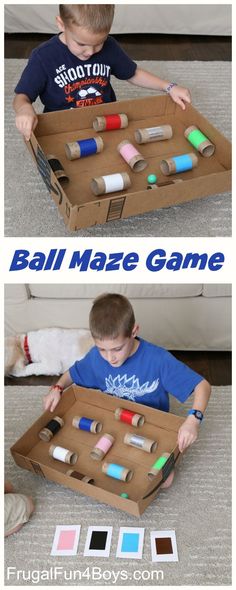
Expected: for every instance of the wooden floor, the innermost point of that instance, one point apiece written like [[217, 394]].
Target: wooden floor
[[214, 366], [149, 47]]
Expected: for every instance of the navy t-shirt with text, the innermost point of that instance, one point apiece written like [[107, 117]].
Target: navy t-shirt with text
[[63, 81]]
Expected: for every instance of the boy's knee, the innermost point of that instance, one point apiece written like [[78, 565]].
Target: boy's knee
[[30, 505], [12, 531], [18, 509], [166, 484]]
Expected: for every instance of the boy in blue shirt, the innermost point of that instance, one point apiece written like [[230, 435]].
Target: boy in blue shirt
[[126, 366], [73, 69]]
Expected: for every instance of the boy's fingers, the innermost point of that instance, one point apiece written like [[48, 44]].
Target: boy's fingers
[[180, 102]]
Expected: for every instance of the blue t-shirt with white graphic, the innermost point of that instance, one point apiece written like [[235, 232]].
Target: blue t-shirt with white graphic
[[63, 81], [146, 377]]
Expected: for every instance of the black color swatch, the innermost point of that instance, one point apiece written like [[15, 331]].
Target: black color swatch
[[98, 540]]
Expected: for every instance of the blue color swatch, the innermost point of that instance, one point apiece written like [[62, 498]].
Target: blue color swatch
[[130, 543]]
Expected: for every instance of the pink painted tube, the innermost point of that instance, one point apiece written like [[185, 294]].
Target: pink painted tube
[[128, 151], [131, 155], [102, 447]]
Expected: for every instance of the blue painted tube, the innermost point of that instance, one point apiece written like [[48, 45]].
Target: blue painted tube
[[85, 424], [84, 147], [183, 163], [178, 164], [114, 470], [87, 147], [117, 471]]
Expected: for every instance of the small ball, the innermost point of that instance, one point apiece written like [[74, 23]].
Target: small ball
[[152, 178], [124, 495]]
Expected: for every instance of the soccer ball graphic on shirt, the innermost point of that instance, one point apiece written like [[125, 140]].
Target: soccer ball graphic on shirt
[[91, 91]]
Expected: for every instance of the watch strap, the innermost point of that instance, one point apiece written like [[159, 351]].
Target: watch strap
[[197, 413]]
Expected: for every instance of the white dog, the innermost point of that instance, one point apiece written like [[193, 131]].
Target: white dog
[[49, 351]]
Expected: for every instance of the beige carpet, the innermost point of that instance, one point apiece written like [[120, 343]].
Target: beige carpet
[[197, 507], [29, 209]]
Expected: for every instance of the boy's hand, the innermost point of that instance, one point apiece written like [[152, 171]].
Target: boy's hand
[[26, 120], [180, 95], [51, 400], [188, 433]]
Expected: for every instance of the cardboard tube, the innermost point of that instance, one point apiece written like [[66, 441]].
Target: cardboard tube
[[133, 158], [84, 147], [199, 141], [140, 442], [117, 471], [57, 168], [86, 424], [102, 447], [64, 455], [110, 183], [150, 134], [166, 183], [177, 164], [158, 465], [110, 122], [129, 417], [150, 186], [51, 428], [80, 476]]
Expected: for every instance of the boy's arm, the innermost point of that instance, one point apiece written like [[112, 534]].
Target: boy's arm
[[26, 118], [51, 400], [179, 94], [188, 432]]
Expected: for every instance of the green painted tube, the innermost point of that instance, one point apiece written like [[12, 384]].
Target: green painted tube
[[159, 463], [196, 137], [199, 141]]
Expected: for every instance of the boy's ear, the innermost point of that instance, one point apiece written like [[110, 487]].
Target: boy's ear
[[60, 24], [135, 330]]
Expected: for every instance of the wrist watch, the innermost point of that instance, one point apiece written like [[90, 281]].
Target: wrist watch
[[197, 413]]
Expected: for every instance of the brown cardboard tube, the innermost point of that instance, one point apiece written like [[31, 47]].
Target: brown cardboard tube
[[150, 134], [99, 124], [140, 442], [133, 158], [94, 428], [57, 168], [102, 447], [47, 433], [126, 474], [153, 471], [137, 419], [73, 150], [62, 454], [80, 476], [168, 166], [110, 183], [206, 147]]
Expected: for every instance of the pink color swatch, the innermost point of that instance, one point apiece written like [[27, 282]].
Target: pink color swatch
[[66, 540]]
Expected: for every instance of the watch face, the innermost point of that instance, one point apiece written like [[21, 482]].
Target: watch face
[[198, 414]]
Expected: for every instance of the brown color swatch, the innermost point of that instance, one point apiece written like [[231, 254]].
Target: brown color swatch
[[164, 546]]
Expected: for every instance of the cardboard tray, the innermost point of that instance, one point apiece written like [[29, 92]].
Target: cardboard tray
[[75, 200], [31, 453]]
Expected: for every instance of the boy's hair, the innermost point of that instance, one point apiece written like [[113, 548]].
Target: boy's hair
[[111, 316], [97, 18]]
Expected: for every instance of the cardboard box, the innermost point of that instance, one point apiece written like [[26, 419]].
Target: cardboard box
[[75, 200], [29, 452]]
